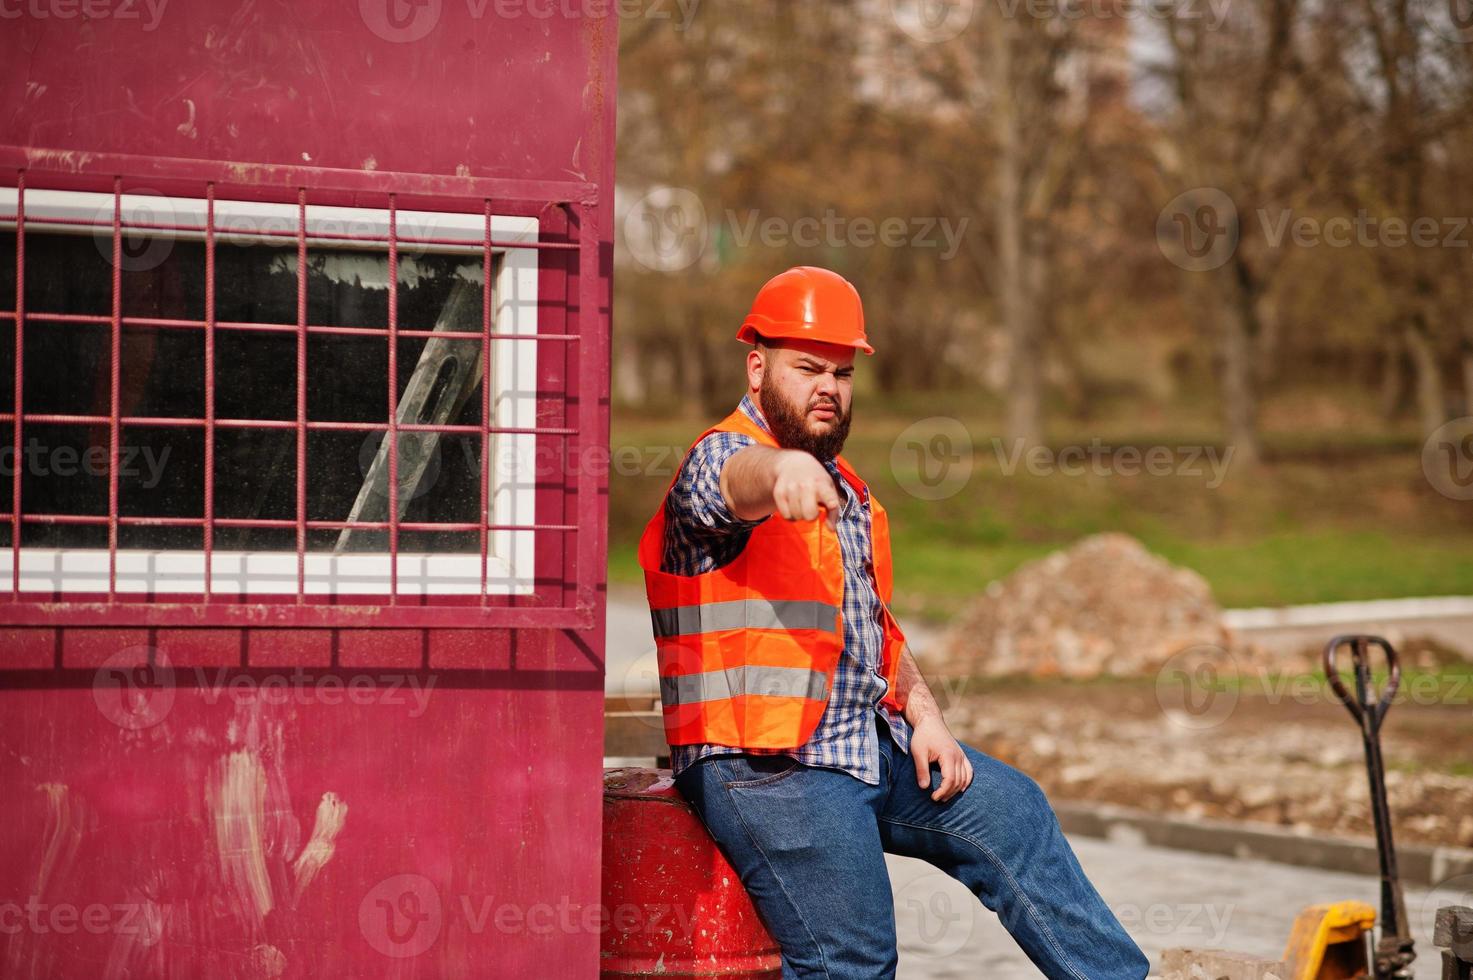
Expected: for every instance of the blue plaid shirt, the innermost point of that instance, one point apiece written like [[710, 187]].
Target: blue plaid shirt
[[702, 534]]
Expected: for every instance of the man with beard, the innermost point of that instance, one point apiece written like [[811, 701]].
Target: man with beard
[[791, 702]]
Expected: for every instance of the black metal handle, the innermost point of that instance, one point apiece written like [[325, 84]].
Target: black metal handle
[[1361, 702], [1395, 950]]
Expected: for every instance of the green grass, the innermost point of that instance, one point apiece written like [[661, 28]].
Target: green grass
[[1330, 516]]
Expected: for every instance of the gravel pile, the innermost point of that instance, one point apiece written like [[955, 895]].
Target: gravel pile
[[1105, 606]]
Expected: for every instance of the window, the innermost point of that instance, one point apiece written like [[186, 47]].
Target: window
[[234, 358]]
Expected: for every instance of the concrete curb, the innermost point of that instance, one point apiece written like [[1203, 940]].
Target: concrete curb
[[1419, 864], [1345, 613]]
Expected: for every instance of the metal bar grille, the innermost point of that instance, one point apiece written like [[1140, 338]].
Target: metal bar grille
[[393, 435], [266, 522], [291, 328], [485, 501], [552, 604], [209, 531], [301, 426], [589, 385], [166, 421], [317, 238], [18, 419], [115, 410]]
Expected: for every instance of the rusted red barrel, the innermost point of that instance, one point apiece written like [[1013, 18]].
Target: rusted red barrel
[[674, 906]]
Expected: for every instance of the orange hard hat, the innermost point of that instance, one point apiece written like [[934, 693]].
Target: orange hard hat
[[807, 302]]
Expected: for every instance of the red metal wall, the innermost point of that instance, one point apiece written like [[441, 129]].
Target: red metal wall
[[400, 801]]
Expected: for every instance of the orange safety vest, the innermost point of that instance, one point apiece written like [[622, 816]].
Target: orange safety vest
[[747, 651]]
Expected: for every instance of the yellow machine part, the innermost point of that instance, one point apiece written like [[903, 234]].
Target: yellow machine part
[[1328, 942]]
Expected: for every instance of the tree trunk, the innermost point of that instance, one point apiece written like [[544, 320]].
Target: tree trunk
[[1239, 394], [630, 384], [1429, 378], [1467, 358], [692, 374], [1238, 364], [1015, 294], [1393, 378]]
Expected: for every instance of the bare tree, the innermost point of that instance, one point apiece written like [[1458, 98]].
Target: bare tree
[[1233, 86], [1017, 153], [1414, 90]]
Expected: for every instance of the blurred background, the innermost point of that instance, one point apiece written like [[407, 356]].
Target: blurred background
[[1173, 306], [1178, 225]]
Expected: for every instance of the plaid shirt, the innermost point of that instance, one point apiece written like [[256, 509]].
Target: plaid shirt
[[702, 534]]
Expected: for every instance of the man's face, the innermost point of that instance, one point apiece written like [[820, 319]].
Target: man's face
[[806, 392]]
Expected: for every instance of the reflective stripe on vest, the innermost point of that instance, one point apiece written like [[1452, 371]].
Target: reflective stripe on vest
[[717, 685], [782, 614]]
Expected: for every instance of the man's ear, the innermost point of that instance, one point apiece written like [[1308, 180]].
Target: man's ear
[[756, 365]]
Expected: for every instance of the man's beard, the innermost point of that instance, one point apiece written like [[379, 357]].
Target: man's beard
[[789, 424]]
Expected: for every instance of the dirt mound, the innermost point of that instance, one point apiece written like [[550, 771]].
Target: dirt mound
[[1106, 605]]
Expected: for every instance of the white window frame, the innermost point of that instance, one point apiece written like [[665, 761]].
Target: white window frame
[[511, 497]]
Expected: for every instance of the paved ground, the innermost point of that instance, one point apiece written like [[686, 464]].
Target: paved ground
[[1165, 898]]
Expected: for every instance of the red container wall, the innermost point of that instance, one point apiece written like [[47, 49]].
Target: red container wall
[[403, 801]]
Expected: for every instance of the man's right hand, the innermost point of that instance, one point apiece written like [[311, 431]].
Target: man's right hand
[[801, 486], [761, 480]]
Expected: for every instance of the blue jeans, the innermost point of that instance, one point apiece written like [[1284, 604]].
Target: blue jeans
[[809, 843]]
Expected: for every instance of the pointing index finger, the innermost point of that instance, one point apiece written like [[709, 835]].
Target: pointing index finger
[[829, 498]]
